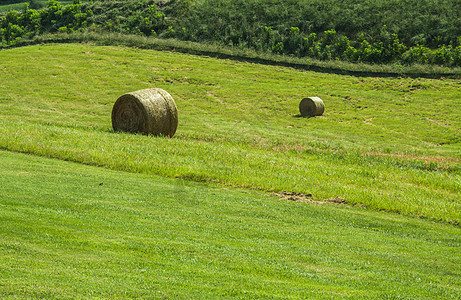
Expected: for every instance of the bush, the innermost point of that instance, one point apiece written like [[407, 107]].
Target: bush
[[418, 54], [292, 27]]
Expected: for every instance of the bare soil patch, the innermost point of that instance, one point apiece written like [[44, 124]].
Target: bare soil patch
[[307, 198]]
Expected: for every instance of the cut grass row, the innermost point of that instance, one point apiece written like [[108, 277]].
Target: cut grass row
[[380, 144], [74, 231]]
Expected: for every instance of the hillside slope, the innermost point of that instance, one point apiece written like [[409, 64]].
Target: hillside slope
[[378, 144], [75, 231], [375, 31]]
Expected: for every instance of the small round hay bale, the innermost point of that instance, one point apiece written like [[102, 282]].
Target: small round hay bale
[[149, 111], [311, 106]]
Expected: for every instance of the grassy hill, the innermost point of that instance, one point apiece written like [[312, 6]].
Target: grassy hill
[[379, 143], [399, 33], [73, 231], [202, 214]]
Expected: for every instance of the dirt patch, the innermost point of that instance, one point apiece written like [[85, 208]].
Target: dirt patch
[[293, 196], [336, 200], [307, 198]]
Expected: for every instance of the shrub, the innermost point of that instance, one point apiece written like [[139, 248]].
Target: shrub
[[417, 54]]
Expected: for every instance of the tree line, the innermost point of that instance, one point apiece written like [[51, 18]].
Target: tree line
[[371, 31]]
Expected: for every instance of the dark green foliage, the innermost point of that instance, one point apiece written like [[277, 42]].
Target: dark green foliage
[[35, 4], [138, 17], [53, 18], [179, 8], [372, 31], [146, 22]]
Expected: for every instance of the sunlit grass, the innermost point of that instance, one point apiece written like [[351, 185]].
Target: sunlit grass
[[379, 143], [75, 231]]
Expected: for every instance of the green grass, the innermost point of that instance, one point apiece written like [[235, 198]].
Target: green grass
[[386, 143], [192, 216], [73, 231]]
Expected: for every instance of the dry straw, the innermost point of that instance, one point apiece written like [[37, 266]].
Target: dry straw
[[149, 111], [311, 107]]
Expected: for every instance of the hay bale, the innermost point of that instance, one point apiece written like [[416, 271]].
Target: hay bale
[[149, 111], [311, 106]]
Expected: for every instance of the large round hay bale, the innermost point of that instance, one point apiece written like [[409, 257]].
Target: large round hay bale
[[311, 106], [149, 111]]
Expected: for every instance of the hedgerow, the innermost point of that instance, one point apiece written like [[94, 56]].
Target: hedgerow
[[325, 30]]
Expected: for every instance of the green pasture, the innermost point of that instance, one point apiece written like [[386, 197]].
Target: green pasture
[[72, 231], [89, 213], [390, 144]]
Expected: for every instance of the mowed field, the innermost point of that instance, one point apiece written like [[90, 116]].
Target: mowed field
[[386, 143], [198, 215]]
